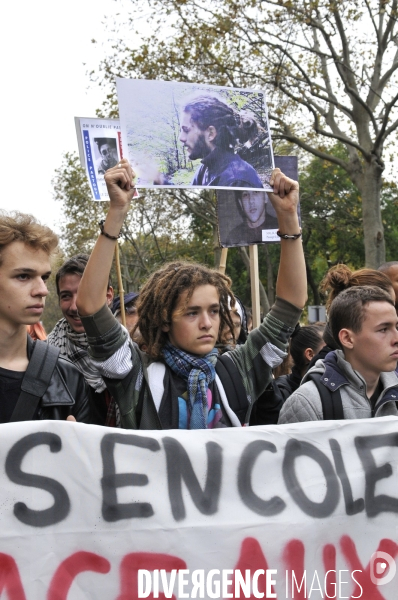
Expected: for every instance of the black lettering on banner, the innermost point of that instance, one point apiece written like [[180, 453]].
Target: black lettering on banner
[[111, 509], [319, 510], [262, 507], [179, 468], [352, 507], [375, 505], [61, 507]]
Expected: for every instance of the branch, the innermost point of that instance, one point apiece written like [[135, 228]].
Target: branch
[[132, 241]]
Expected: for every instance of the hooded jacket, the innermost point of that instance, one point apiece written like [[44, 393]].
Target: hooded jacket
[[305, 403]]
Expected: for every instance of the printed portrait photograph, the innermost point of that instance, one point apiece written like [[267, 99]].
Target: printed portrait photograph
[[191, 135], [100, 149], [105, 148], [247, 217]]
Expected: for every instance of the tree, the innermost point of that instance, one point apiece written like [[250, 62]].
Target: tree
[[158, 229], [331, 67]]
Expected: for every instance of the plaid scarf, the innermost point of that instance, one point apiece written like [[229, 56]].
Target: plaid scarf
[[199, 372], [74, 346]]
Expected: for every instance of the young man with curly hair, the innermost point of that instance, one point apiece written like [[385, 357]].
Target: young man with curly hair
[[181, 310]]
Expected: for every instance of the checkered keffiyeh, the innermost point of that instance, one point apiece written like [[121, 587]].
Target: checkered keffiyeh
[[74, 346], [199, 372]]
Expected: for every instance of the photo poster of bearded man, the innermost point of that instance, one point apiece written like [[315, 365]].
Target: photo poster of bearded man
[[188, 135], [100, 148], [247, 217]]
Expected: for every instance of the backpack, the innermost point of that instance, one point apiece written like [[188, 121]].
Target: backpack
[[332, 405], [36, 380]]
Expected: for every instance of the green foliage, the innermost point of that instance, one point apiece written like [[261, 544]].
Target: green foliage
[[332, 219]]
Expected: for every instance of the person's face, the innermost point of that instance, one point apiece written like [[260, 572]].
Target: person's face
[[23, 289], [226, 335], [194, 328], [67, 300], [374, 349], [253, 205], [109, 155], [131, 315], [193, 138]]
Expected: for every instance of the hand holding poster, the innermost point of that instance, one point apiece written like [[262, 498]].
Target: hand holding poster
[[192, 135], [293, 511], [247, 217]]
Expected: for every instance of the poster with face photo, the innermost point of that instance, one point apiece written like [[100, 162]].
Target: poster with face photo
[[193, 135], [247, 217], [100, 148]]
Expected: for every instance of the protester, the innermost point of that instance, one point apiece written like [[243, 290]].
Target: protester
[[357, 381], [130, 311], [228, 338], [36, 383], [181, 310], [69, 336], [339, 278], [390, 269], [305, 343]]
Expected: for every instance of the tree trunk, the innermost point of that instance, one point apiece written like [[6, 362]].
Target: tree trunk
[[370, 188]]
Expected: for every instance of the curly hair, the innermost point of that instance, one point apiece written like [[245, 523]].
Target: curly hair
[[340, 277], [159, 296], [19, 227]]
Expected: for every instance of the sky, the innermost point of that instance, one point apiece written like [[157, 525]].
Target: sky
[[44, 45]]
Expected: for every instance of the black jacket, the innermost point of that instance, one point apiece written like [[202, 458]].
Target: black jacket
[[66, 395]]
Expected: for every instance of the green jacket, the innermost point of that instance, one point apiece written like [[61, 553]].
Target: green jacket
[[124, 366]]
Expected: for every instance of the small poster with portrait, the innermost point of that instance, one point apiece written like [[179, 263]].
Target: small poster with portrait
[[247, 217], [190, 135], [100, 148]]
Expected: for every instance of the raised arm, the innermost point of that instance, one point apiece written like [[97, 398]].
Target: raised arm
[[92, 289], [291, 284]]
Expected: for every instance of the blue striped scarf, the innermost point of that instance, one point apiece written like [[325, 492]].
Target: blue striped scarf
[[199, 372]]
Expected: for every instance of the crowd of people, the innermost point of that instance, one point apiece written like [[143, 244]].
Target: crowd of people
[[188, 357]]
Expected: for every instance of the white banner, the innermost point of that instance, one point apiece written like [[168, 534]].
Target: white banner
[[97, 513]]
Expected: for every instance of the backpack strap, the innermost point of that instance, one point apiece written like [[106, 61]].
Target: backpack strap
[[36, 380], [233, 386], [332, 406]]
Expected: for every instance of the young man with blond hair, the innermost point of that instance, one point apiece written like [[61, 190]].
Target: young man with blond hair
[[34, 382]]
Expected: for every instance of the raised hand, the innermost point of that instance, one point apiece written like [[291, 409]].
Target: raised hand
[[120, 183], [285, 197]]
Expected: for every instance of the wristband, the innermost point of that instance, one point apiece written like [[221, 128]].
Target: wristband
[[285, 236], [103, 232]]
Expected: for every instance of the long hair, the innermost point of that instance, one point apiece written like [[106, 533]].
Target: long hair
[[159, 296], [231, 126]]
